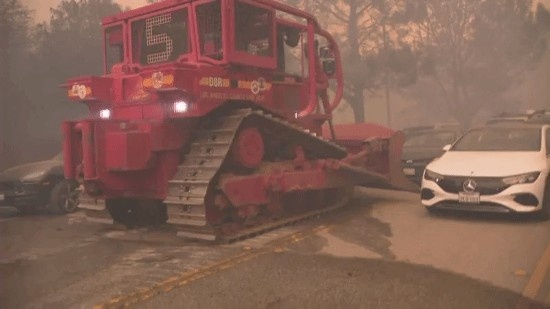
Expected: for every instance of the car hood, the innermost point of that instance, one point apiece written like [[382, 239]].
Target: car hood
[[22, 171], [487, 164], [421, 153]]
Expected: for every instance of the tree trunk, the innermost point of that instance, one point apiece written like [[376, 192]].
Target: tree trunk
[[5, 157], [358, 103]]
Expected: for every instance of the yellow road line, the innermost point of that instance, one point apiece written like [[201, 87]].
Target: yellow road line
[[532, 288], [181, 280]]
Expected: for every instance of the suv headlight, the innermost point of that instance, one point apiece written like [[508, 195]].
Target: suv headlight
[[429, 175], [522, 178]]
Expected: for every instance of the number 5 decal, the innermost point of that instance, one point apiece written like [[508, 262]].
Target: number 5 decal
[[161, 38]]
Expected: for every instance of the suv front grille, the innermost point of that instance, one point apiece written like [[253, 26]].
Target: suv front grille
[[485, 185]]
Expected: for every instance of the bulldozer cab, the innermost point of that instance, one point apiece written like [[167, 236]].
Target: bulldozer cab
[[261, 34], [263, 40]]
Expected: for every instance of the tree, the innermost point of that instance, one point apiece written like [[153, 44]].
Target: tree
[[72, 40], [473, 51], [69, 45], [370, 34], [14, 31]]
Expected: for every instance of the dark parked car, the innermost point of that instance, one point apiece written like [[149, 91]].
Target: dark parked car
[[39, 185], [531, 116], [422, 146]]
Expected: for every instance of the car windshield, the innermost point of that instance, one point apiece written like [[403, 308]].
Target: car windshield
[[435, 139], [500, 139]]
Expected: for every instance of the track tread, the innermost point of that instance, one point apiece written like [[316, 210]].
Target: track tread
[[189, 187], [182, 209]]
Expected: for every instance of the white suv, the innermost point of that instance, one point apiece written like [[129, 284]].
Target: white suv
[[495, 168]]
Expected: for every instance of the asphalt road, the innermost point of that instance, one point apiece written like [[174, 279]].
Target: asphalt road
[[382, 251]]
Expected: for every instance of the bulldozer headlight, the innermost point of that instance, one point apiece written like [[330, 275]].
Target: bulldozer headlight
[[105, 113], [181, 107]]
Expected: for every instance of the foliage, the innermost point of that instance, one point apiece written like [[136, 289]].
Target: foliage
[[14, 31], [73, 37], [473, 51], [70, 44], [371, 35]]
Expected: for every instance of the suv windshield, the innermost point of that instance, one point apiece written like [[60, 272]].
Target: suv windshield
[[160, 38], [500, 139], [433, 139]]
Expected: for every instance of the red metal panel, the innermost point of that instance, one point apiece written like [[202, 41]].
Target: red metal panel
[[99, 88], [250, 190], [253, 190], [127, 151], [68, 146], [88, 149], [128, 112], [171, 136]]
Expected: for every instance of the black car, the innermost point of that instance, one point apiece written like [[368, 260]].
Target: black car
[[422, 146], [39, 185], [532, 116]]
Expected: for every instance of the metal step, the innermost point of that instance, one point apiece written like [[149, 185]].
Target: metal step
[[172, 201], [189, 186], [186, 182], [187, 190], [202, 162]]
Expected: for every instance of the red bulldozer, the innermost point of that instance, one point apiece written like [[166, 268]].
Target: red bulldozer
[[213, 118]]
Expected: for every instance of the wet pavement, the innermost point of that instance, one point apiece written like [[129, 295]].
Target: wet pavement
[[382, 251]]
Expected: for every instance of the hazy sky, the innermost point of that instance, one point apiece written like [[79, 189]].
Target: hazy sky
[[42, 7], [42, 12]]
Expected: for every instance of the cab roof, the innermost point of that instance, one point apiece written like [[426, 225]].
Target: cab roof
[[150, 8]]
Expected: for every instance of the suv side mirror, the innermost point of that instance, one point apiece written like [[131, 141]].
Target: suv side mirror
[[446, 147]]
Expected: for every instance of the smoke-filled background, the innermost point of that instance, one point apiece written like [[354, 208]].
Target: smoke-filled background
[[407, 62]]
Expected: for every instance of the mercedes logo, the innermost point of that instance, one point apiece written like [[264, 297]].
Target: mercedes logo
[[469, 185]]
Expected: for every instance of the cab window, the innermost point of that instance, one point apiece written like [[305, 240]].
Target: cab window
[[114, 47], [160, 38], [253, 26], [290, 47], [209, 24]]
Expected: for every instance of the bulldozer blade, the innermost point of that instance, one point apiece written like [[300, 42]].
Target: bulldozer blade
[[397, 179]]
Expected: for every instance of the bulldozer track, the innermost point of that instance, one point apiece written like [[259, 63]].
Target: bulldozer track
[[196, 177], [281, 223], [188, 190]]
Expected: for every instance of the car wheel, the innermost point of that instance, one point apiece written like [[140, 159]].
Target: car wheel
[[64, 198]]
